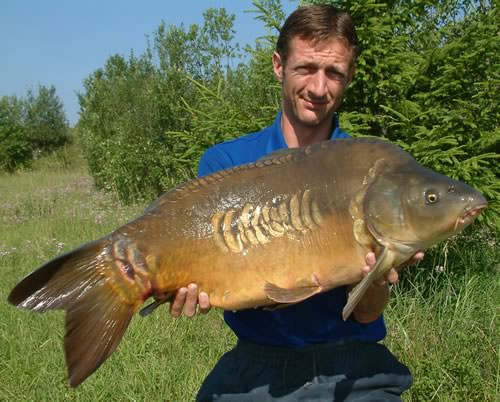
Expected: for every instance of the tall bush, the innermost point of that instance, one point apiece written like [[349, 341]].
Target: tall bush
[[15, 149], [245, 99], [30, 126], [120, 126], [45, 120], [132, 110]]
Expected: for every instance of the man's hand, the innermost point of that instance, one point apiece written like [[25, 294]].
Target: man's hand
[[392, 276], [187, 301]]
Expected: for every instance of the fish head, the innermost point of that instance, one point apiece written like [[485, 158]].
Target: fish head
[[417, 207]]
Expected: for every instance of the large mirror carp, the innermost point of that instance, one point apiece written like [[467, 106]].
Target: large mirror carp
[[296, 223]]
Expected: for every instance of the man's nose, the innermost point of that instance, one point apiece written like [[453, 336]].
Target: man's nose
[[318, 85]]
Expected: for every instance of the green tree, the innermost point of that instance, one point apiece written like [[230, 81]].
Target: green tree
[[244, 99], [15, 149], [426, 79], [132, 110], [120, 127], [45, 120]]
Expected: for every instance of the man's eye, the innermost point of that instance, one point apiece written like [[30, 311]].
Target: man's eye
[[336, 75], [304, 70]]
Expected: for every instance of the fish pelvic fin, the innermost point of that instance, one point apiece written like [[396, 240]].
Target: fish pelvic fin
[[83, 282], [383, 264], [282, 295]]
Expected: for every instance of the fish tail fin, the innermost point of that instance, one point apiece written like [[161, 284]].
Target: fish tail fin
[[93, 331], [384, 261], [97, 314]]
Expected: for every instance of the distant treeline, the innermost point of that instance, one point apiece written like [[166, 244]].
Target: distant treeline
[[30, 127]]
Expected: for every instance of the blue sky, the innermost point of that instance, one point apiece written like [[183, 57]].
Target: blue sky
[[60, 42]]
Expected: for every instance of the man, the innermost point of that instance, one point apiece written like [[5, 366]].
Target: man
[[305, 351]]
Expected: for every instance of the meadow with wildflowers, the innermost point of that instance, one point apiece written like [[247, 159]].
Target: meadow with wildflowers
[[442, 321]]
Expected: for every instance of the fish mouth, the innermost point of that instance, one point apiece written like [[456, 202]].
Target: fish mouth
[[469, 215]]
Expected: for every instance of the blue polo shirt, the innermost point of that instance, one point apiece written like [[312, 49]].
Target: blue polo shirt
[[315, 320]]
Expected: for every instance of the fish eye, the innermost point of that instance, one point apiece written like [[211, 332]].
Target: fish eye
[[431, 197]]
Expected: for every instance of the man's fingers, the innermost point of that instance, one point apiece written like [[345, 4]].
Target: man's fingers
[[178, 302], [203, 302], [370, 261], [419, 256], [191, 300], [392, 277], [187, 300]]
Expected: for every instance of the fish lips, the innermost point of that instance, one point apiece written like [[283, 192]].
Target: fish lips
[[470, 213]]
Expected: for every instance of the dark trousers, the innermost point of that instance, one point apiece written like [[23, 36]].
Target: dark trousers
[[329, 372]]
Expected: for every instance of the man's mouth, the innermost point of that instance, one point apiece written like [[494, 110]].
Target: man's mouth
[[314, 104]]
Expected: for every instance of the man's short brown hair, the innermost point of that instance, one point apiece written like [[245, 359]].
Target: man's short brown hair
[[317, 23]]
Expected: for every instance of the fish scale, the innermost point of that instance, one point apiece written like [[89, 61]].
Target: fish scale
[[255, 225]]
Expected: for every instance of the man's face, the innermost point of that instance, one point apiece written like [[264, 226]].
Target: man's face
[[314, 79]]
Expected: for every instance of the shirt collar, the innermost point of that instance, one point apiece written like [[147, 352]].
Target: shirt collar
[[277, 139]]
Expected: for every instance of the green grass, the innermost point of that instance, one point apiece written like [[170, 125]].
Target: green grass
[[448, 336], [443, 325]]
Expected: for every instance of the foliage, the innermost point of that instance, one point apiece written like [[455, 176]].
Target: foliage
[[426, 79], [66, 158], [244, 100], [30, 127], [120, 126], [15, 149], [45, 120], [132, 111]]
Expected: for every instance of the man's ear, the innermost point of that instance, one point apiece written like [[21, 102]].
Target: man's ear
[[277, 66]]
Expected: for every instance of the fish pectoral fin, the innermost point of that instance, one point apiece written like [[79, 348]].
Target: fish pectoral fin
[[383, 264], [295, 295]]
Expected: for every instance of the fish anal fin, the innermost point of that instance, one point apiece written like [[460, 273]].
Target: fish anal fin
[[295, 295], [383, 264], [159, 300]]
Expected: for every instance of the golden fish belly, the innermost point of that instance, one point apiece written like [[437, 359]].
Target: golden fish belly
[[327, 257]]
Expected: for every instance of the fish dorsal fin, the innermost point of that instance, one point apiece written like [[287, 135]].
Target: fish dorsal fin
[[184, 189], [280, 156]]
